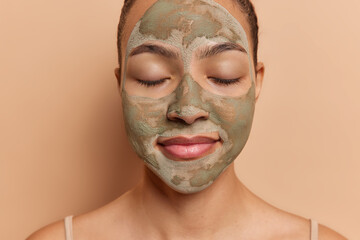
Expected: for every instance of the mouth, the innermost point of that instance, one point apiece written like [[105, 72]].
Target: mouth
[[188, 147]]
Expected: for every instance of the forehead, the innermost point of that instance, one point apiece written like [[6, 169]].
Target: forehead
[[195, 17]]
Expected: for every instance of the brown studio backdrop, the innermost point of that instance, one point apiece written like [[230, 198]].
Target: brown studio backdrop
[[63, 148]]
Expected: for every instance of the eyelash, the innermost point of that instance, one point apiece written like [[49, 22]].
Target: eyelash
[[225, 82], [151, 83], [220, 81]]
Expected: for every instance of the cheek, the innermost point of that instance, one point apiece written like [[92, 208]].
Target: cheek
[[144, 117], [224, 110], [235, 116], [230, 112]]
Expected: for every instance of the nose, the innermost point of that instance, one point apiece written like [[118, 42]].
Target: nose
[[188, 105], [188, 118]]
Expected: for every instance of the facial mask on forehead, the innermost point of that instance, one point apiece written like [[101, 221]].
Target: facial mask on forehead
[[188, 25]]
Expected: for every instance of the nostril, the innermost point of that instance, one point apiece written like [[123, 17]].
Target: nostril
[[188, 119], [173, 116], [204, 117]]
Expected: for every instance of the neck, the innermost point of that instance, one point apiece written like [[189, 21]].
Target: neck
[[200, 215]]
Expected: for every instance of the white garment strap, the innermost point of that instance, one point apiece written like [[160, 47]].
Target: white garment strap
[[314, 230], [68, 228]]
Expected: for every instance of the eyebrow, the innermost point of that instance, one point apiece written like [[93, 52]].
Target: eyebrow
[[210, 51], [155, 49]]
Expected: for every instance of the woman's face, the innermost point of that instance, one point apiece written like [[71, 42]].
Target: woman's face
[[188, 89]]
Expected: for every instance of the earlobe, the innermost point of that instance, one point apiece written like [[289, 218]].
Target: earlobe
[[117, 74], [260, 69]]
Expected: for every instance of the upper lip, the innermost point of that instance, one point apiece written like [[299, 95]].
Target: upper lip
[[188, 139]]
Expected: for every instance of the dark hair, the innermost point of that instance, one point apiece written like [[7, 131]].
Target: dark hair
[[245, 5]]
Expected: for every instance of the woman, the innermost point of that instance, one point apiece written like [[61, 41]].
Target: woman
[[189, 80]]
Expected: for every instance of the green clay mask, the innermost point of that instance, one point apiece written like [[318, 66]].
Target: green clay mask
[[186, 26]]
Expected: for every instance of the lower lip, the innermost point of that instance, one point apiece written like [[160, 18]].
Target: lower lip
[[188, 152]]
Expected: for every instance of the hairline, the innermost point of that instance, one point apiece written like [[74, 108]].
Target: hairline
[[123, 22]]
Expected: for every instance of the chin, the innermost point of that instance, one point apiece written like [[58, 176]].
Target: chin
[[188, 177]]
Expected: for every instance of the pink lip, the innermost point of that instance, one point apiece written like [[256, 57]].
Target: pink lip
[[188, 148]]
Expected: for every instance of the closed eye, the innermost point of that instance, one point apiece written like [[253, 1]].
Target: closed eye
[[148, 83], [225, 82]]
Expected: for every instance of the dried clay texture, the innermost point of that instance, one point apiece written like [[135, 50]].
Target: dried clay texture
[[187, 25]]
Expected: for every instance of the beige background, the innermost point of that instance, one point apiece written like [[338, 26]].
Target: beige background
[[62, 144]]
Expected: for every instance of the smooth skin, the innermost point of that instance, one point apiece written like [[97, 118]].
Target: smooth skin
[[152, 210]]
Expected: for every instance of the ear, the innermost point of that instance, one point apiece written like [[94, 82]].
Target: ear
[[260, 69], [117, 74]]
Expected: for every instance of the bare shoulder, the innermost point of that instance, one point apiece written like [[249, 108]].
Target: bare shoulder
[[100, 223], [112, 221], [285, 225], [326, 233], [54, 231]]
